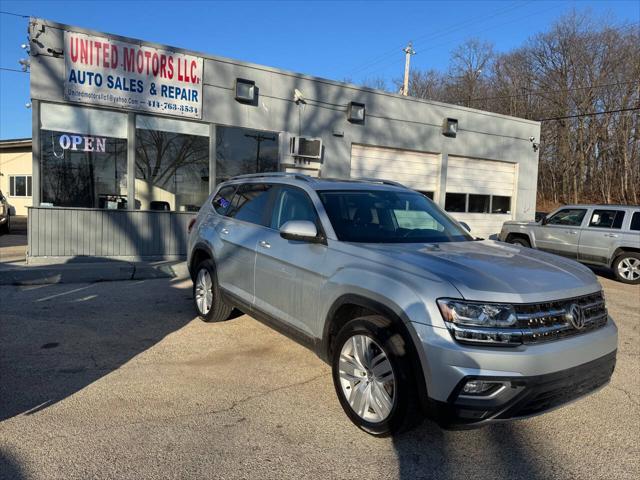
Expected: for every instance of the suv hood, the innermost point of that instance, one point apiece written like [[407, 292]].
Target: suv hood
[[493, 271]]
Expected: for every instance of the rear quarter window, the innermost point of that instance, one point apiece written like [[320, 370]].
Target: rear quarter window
[[222, 200]]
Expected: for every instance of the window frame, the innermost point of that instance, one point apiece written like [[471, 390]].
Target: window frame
[[612, 227], [12, 185], [269, 204], [633, 215], [585, 210], [275, 195]]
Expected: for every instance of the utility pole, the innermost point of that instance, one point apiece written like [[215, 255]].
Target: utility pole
[[408, 51], [259, 139]]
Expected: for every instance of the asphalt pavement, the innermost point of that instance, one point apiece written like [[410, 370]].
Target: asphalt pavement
[[120, 380]]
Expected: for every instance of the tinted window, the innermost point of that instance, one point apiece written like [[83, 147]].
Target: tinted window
[[607, 219], [240, 151], [292, 204], [222, 200], [571, 217], [455, 202], [250, 203], [388, 217], [635, 221], [478, 203], [500, 204], [92, 174]]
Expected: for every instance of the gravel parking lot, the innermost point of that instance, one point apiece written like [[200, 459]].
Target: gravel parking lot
[[119, 380]]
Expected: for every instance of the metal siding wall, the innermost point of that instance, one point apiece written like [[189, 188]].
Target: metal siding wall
[[72, 232]]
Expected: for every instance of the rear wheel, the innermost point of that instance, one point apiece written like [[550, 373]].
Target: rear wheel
[[206, 294], [627, 267], [523, 242], [372, 375]]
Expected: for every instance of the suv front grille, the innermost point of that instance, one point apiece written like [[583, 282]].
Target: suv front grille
[[541, 322]]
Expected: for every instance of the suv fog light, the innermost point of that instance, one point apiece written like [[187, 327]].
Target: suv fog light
[[479, 387]]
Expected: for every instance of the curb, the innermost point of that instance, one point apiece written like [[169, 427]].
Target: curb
[[90, 272]]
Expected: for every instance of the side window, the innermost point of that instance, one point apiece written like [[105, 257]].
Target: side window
[[292, 204], [250, 203], [607, 219], [222, 200], [635, 222], [571, 217]]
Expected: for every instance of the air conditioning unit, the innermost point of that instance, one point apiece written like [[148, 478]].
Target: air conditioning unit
[[306, 147]]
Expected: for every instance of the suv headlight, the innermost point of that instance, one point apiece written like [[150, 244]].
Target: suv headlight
[[484, 323]]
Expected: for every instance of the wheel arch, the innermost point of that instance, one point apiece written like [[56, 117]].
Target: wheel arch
[[350, 306], [199, 253], [619, 251], [523, 235]]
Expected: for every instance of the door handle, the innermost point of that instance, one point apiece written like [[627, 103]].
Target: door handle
[[571, 232], [611, 235], [224, 231], [264, 244]]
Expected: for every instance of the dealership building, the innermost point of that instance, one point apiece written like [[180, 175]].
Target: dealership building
[[130, 137]]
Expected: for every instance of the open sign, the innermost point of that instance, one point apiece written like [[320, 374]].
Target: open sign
[[83, 143]]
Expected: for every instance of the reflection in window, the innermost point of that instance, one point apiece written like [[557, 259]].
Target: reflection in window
[[455, 202], [172, 170], [478, 203], [241, 151], [83, 170], [249, 204]]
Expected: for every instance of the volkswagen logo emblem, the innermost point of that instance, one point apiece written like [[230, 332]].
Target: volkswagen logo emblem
[[576, 316]]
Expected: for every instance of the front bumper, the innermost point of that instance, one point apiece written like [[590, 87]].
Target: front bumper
[[562, 369], [524, 396]]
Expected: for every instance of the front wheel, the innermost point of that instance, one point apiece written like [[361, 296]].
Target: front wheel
[[372, 375], [627, 267], [206, 294]]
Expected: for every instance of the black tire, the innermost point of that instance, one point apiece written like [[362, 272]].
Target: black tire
[[6, 228], [523, 242], [619, 266], [219, 309], [405, 411]]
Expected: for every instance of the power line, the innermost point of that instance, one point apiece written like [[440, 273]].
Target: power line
[[14, 14], [589, 114], [13, 70], [432, 36], [543, 92]]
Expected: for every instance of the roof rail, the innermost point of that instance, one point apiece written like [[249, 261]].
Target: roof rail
[[298, 176], [382, 181]]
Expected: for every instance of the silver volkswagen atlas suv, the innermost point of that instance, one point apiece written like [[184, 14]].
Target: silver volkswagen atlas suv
[[414, 315]]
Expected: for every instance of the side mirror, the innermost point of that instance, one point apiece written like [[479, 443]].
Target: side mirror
[[544, 221], [301, 230], [466, 227]]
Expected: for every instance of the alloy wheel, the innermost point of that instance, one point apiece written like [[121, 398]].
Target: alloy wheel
[[367, 379], [203, 294], [629, 268]]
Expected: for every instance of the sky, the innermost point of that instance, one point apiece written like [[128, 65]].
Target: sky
[[357, 41]]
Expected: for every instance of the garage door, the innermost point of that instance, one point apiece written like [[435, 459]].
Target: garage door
[[417, 170], [482, 193]]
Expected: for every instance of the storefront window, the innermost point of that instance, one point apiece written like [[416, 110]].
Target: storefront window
[[172, 169], [241, 151], [81, 170]]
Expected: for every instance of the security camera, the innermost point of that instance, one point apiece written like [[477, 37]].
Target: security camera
[[531, 139], [298, 96]]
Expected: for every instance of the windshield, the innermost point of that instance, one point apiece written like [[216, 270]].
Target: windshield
[[382, 216]]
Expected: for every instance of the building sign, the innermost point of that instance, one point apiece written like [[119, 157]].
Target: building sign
[[102, 71], [82, 143]]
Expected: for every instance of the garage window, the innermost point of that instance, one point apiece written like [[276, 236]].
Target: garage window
[[500, 204], [479, 203], [455, 202]]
